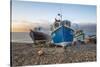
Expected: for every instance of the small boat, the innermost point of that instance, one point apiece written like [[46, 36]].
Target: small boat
[[38, 36], [62, 34]]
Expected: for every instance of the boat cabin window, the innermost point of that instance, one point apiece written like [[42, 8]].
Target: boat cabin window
[[56, 25], [66, 23]]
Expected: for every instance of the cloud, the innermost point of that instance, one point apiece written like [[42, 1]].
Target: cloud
[[25, 26]]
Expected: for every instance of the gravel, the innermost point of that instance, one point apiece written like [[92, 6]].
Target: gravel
[[27, 54]]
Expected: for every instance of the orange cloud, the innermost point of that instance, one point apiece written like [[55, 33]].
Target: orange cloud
[[25, 26], [20, 26]]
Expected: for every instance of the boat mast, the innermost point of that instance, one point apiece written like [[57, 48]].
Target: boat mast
[[60, 14]]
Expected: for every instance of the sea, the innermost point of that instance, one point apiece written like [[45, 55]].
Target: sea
[[21, 37]]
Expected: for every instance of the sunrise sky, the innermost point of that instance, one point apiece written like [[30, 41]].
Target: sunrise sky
[[24, 12]]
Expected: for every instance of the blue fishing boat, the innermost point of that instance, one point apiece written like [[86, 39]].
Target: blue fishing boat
[[61, 34]]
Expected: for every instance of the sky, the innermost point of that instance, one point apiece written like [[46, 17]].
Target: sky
[[39, 11]]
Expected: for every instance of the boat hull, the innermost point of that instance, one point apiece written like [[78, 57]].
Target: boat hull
[[62, 36]]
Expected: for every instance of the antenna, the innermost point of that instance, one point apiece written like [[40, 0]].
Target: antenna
[[59, 16], [60, 13]]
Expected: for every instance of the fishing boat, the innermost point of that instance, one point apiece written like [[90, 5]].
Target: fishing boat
[[37, 35], [61, 32]]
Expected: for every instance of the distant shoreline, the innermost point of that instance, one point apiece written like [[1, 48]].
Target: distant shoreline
[[21, 43]]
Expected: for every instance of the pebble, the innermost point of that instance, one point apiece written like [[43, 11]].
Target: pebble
[[51, 55]]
